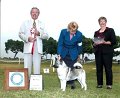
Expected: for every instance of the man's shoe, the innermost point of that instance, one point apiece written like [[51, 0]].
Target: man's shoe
[[73, 85], [109, 87], [99, 86]]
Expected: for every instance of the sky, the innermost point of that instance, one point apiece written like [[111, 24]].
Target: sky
[[56, 14]]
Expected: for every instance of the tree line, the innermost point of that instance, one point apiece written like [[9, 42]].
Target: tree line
[[50, 46]]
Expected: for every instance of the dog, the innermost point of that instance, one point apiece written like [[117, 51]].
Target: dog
[[66, 74]]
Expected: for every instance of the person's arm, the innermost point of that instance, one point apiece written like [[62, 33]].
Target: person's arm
[[113, 38], [22, 33], [79, 44], [42, 33], [107, 42], [60, 43]]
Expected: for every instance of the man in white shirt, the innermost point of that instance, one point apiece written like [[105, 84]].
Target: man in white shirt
[[32, 32]]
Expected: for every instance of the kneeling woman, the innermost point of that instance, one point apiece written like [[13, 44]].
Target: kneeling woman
[[69, 46]]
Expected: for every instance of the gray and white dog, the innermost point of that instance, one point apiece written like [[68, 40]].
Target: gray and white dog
[[65, 73]]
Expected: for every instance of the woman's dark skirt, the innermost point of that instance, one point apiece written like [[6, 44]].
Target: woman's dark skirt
[[69, 62]]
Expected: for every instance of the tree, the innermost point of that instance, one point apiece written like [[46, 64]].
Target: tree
[[117, 45], [14, 46], [86, 46], [50, 46]]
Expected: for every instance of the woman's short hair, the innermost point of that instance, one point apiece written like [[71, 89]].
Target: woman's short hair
[[102, 18], [72, 26]]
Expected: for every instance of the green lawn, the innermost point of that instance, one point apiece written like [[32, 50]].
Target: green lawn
[[52, 85]]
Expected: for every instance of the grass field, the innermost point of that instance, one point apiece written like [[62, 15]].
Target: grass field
[[52, 85]]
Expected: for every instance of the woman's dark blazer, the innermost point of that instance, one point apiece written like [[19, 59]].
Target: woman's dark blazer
[[109, 35]]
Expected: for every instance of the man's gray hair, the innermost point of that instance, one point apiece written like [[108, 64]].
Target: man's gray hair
[[35, 8]]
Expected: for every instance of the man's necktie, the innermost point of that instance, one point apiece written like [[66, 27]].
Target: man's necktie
[[34, 27], [34, 24]]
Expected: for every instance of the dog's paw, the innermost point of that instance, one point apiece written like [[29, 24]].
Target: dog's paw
[[63, 90], [85, 87]]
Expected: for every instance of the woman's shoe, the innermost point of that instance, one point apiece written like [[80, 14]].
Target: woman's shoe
[[99, 86], [109, 87]]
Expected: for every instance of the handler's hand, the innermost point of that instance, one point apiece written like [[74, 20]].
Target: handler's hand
[[78, 59], [59, 57], [31, 39], [37, 33]]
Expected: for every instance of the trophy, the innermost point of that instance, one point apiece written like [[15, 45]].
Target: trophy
[[32, 32], [98, 40]]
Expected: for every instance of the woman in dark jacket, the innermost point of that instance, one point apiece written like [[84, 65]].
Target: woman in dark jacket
[[103, 47]]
